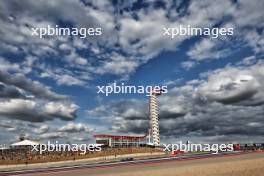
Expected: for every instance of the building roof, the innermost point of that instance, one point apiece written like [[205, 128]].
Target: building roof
[[118, 136], [25, 143]]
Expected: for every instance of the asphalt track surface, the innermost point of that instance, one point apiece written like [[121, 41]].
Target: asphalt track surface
[[73, 170]]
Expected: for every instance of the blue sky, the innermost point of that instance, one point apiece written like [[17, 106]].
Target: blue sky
[[49, 88]]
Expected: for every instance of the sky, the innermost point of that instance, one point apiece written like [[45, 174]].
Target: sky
[[48, 86]]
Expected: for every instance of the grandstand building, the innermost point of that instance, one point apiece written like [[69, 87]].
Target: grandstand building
[[118, 140]]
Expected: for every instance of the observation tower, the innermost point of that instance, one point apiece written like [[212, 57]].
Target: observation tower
[[154, 137]]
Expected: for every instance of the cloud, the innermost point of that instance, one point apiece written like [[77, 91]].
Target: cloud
[[10, 91], [31, 101], [67, 110], [118, 65], [42, 129], [63, 79], [6, 65], [61, 131], [24, 99], [138, 39], [17, 18], [35, 88], [74, 128], [249, 14], [187, 65], [255, 39], [242, 85], [248, 29], [130, 38], [208, 49], [36, 111], [52, 135]]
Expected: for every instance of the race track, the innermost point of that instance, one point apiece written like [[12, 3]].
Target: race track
[[153, 165]]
